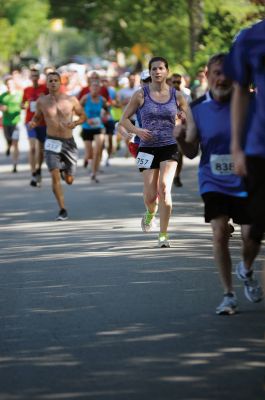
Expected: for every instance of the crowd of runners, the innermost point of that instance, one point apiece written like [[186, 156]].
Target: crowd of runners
[[161, 118], [20, 90], [101, 99]]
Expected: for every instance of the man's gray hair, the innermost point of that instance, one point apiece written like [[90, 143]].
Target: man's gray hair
[[217, 58]]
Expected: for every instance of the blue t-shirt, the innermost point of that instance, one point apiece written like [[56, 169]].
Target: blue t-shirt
[[215, 173], [93, 111], [112, 93], [245, 64]]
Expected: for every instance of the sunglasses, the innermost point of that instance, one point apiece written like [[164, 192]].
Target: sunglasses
[[178, 82]]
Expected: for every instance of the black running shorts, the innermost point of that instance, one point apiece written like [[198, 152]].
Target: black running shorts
[[256, 187], [219, 204], [88, 134], [255, 183], [109, 127], [163, 153]]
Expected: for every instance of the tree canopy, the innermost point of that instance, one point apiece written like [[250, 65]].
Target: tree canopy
[[186, 32], [21, 22]]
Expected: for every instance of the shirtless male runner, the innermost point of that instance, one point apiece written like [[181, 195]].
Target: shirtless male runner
[[61, 153]]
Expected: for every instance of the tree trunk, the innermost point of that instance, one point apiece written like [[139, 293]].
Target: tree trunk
[[195, 11]]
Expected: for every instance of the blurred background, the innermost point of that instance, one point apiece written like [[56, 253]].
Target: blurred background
[[119, 35]]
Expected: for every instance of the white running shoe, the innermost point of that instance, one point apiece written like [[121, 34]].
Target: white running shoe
[[163, 242], [228, 306], [38, 179], [147, 222], [252, 289]]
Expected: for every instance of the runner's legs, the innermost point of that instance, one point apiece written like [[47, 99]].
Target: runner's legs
[[57, 187], [250, 248], [151, 177], [221, 251], [97, 152], [167, 173]]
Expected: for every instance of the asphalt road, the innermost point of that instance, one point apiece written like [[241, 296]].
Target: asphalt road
[[91, 309]]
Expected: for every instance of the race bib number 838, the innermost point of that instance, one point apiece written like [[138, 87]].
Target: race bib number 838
[[222, 164]]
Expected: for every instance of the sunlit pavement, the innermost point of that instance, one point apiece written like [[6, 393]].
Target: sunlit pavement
[[91, 309]]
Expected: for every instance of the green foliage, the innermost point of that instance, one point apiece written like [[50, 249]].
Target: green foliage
[[217, 33], [7, 38], [142, 27], [160, 27], [155, 24], [222, 21], [21, 22], [72, 42]]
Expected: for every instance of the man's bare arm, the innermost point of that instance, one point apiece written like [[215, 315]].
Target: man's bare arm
[[239, 110]]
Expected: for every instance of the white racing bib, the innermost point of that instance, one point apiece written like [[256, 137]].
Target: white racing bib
[[144, 160], [222, 164], [53, 145], [32, 106], [96, 122]]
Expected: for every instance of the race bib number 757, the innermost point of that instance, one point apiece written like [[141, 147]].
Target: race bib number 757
[[144, 160]]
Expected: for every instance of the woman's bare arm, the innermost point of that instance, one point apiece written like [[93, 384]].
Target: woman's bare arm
[[135, 102]]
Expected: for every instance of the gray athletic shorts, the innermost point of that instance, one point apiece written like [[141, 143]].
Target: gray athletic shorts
[[66, 159]]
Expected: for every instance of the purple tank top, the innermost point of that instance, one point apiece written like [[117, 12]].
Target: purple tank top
[[159, 118]]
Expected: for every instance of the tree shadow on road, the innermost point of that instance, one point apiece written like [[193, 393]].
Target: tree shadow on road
[[91, 309]]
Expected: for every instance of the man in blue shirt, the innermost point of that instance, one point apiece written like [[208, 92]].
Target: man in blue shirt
[[223, 192], [245, 64]]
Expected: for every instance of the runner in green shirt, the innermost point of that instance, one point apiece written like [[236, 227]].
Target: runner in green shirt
[[10, 105]]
